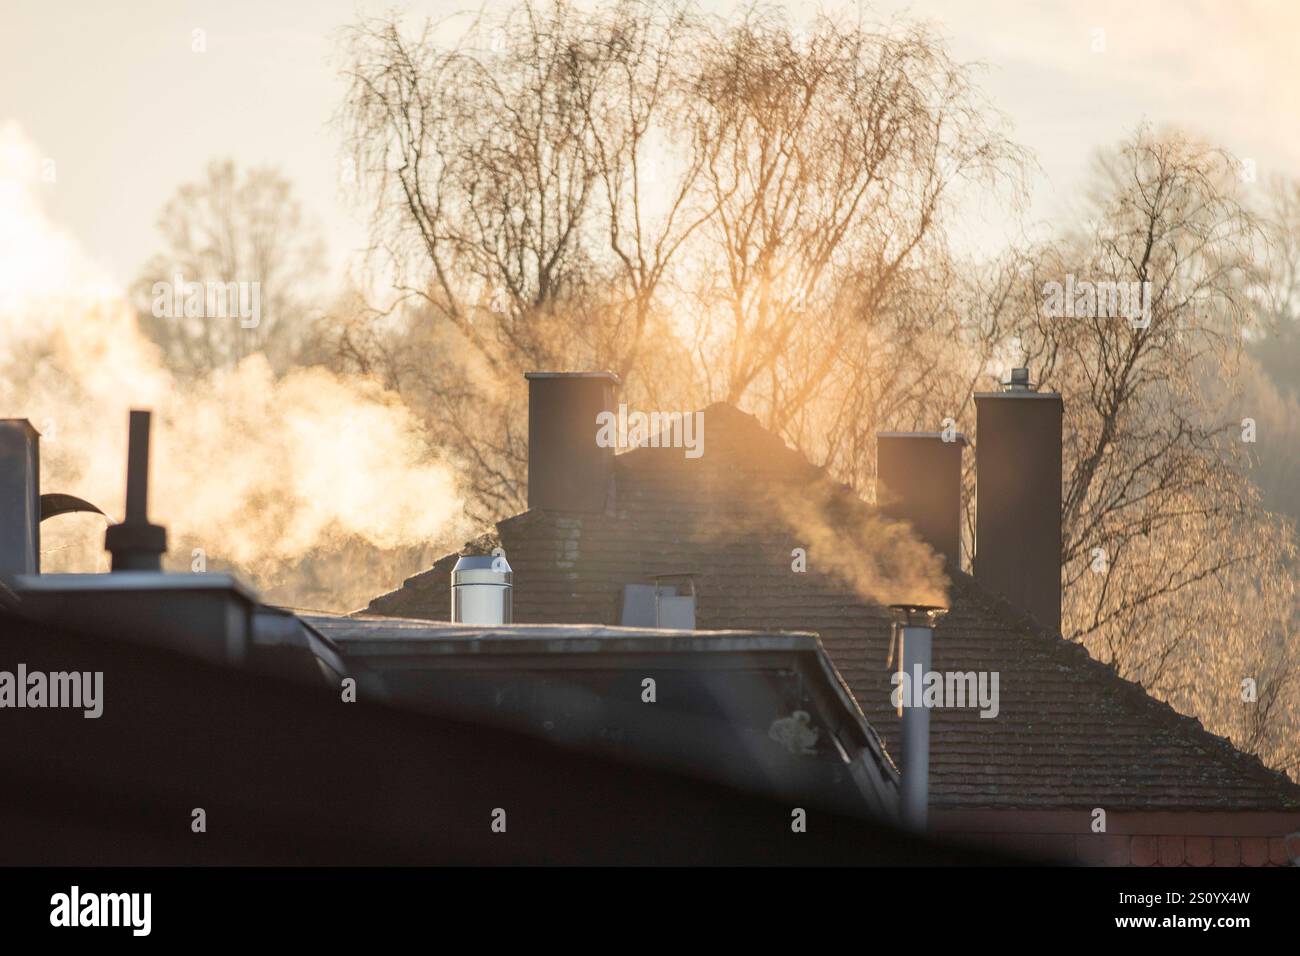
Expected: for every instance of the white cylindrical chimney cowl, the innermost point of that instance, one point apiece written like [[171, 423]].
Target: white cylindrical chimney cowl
[[482, 590]]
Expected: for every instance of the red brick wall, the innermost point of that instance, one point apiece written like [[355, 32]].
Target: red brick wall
[[1131, 839]]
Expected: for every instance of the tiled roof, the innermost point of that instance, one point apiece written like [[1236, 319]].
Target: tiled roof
[[1070, 732]]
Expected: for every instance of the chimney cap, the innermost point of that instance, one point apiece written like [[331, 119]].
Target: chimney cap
[[912, 614], [1018, 385], [959, 438], [605, 375], [482, 569], [21, 423]]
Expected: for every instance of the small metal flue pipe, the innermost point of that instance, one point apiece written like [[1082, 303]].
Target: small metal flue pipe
[[135, 544], [914, 632], [482, 588]]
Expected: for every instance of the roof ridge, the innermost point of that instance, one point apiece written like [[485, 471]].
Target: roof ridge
[[737, 415]]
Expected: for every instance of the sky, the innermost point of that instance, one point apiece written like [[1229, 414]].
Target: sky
[[118, 105]]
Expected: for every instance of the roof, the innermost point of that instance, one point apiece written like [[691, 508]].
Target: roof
[[763, 711], [212, 615], [608, 376], [287, 774], [1070, 732]]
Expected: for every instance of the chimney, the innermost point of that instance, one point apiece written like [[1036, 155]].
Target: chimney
[[918, 476], [20, 497], [482, 590], [567, 470], [207, 615], [137, 545], [914, 636], [1018, 496]]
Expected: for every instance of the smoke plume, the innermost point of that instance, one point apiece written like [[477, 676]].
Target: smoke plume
[[310, 473]]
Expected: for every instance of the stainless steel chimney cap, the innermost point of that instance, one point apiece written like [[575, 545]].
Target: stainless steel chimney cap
[[482, 569]]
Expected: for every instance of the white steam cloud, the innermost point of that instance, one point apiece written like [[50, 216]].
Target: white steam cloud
[[261, 474]]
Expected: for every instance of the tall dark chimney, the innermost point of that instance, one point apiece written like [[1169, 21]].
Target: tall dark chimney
[[20, 497], [1018, 496], [918, 477], [137, 545], [567, 470]]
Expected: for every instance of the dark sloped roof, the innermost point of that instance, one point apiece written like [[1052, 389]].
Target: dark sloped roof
[[289, 775], [1070, 732]]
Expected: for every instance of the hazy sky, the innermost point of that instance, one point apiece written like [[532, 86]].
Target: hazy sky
[[114, 95]]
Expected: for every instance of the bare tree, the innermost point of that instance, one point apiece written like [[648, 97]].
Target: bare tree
[[737, 210], [729, 208], [517, 199], [231, 229], [1150, 446], [830, 159], [1273, 367], [1174, 573]]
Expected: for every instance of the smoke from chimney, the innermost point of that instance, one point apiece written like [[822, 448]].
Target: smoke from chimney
[[251, 472], [764, 491], [880, 558]]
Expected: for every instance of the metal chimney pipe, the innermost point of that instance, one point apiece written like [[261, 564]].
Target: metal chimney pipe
[[137, 545], [20, 497], [137, 467], [482, 590], [915, 634]]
